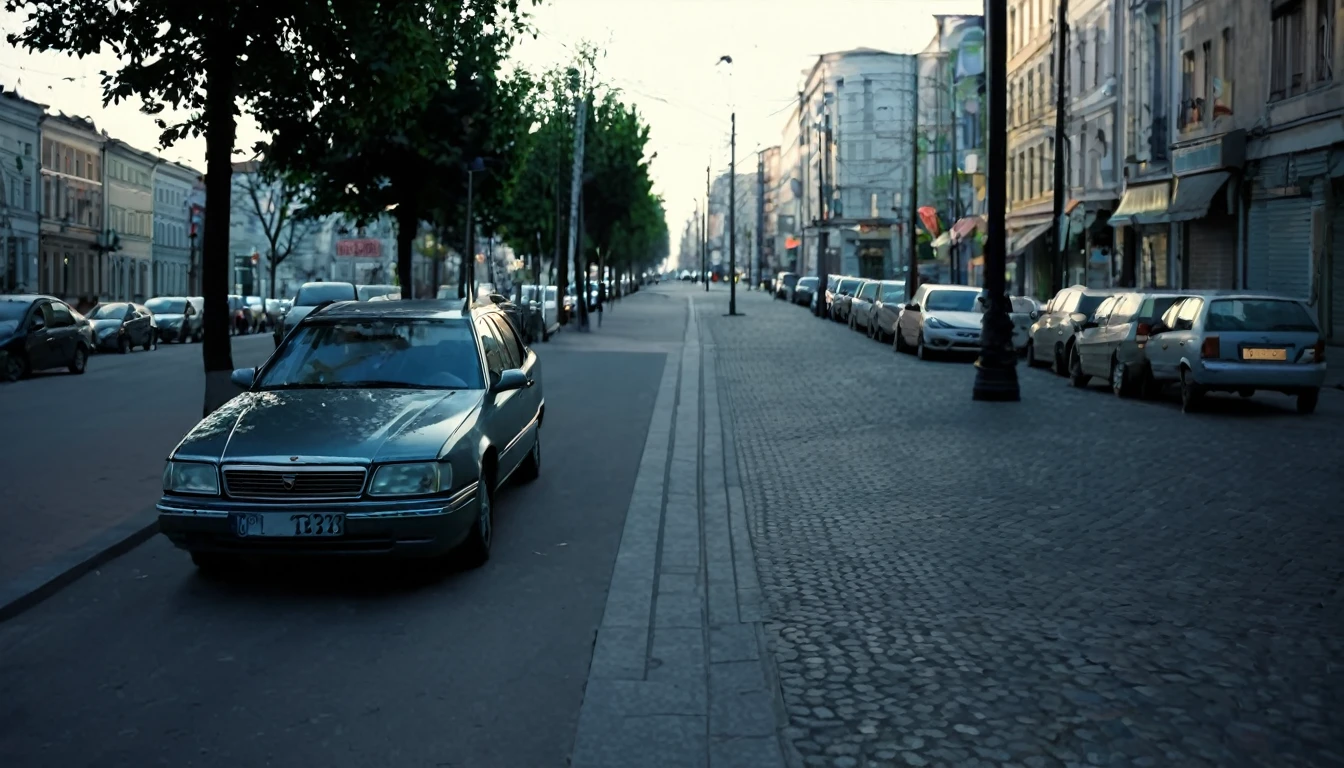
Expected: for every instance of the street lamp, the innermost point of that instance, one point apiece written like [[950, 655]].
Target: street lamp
[[732, 196], [475, 166]]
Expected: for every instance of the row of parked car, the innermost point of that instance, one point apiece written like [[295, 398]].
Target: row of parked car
[[1139, 342]]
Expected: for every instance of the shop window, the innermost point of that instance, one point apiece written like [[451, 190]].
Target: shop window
[[1325, 41]]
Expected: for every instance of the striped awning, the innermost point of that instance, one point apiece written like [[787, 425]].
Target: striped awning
[[1143, 204]]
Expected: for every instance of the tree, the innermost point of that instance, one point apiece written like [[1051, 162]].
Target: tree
[[276, 59], [276, 205]]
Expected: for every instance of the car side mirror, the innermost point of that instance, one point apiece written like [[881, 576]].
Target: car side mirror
[[511, 379], [243, 377]]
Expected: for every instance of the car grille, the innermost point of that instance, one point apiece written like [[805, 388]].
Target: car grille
[[304, 484]]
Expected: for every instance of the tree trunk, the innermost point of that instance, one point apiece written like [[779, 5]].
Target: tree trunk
[[407, 220], [216, 261], [273, 267]]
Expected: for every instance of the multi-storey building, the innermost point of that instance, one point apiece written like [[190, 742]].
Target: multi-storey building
[[790, 198], [74, 244], [1283, 57], [20, 141], [769, 194], [1094, 159], [1031, 143], [130, 217], [1141, 221], [744, 191], [856, 118], [172, 251], [951, 145]]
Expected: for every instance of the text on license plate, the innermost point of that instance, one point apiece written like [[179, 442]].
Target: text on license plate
[[1264, 353], [287, 524]]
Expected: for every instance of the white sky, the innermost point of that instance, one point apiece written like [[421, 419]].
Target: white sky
[[660, 53]]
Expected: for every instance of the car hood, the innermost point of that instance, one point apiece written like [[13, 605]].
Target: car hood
[[170, 317], [356, 426], [957, 319]]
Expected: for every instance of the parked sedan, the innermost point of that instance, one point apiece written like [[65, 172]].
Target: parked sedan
[[887, 309], [376, 428], [120, 326], [1052, 335], [176, 318], [1113, 345], [843, 295], [38, 333], [861, 305], [308, 297], [784, 285], [1239, 343], [940, 318], [805, 291]]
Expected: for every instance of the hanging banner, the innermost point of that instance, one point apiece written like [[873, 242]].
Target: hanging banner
[[928, 216]]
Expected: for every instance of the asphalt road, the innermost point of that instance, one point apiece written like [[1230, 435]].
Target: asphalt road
[[145, 663], [83, 454]]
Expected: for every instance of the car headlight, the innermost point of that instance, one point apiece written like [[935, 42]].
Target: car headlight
[[191, 477], [934, 322], [411, 479]]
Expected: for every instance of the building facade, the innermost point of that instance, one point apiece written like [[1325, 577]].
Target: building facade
[[172, 251], [790, 201], [769, 195], [73, 259], [129, 182], [20, 182], [1031, 143], [856, 118], [951, 147]]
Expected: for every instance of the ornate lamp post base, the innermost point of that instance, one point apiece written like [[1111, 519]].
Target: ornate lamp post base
[[996, 369]]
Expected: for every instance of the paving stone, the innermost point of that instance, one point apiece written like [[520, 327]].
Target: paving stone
[[732, 642], [978, 564]]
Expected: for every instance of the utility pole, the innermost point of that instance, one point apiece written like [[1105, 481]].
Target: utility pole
[[575, 189], [732, 215], [823, 236], [760, 218], [912, 276], [1057, 212], [955, 186], [996, 370], [704, 250]]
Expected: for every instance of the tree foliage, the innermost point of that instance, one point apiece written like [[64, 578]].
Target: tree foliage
[[277, 204]]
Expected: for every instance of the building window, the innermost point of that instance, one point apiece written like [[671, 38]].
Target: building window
[[1325, 41], [1098, 57], [1081, 83], [1206, 82], [1287, 51], [1031, 173]]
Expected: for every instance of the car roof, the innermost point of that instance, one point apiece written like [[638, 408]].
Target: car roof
[[26, 298], [942, 287], [420, 309]]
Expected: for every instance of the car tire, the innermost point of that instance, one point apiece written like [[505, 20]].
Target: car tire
[[530, 469], [921, 351], [1306, 401], [16, 367], [1058, 363], [1121, 383], [1191, 394], [149, 342], [1077, 378], [898, 343], [123, 345], [214, 565], [475, 551], [80, 360], [1032, 362]]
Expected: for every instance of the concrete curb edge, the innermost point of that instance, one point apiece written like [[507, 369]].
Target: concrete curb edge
[[41, 582]]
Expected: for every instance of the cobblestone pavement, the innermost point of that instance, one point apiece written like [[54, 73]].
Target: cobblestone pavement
[[1071, 580]]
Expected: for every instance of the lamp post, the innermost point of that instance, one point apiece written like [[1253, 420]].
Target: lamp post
[[475, 166], [996, 370], [732, 194]]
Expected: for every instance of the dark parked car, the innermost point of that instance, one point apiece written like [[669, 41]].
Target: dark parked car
[[40, 332], [120, 326], [376, 428], [176, 317], [308, 297], [784, 285]]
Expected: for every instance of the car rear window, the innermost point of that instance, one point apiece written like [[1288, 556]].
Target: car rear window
[[312, 295], [1258, 315]]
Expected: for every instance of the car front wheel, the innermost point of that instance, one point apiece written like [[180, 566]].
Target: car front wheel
[[80, 360], [475, 551]]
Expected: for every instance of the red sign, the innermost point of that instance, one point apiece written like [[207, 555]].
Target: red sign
[[359, 249]]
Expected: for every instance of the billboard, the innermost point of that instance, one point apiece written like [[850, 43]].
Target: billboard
[[359, 249]]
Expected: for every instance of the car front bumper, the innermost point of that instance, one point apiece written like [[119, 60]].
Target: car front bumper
[[952, 339], [172, 332], [1231, 375], [410, 529]]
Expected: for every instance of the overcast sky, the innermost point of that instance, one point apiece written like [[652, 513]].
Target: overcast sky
[[662, 54]]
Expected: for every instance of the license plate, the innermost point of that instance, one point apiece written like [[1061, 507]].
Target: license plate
[[287, 524], [1264, 353]]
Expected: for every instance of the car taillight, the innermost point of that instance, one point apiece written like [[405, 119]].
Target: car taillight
[[1320, 351], [1144, 331], [1210, 347]]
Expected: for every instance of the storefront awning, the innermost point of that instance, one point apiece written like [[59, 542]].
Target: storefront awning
[[1194, 194], [964, 228], [1020, 243], [942, 241], [1143, 204]]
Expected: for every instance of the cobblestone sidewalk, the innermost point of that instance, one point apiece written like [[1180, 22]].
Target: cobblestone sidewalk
[[1071, 580]]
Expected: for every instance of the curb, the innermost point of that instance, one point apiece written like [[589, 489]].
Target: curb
[[43, 581]]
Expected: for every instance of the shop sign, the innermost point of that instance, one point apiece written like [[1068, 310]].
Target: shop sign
[[1227, 151], [359, 249]]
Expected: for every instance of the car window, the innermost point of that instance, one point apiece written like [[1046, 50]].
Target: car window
[[893, 292], [60, 315], [1185, 317], [512, 346], [1104, 310], [1088, 303], [496, 360], [113, 311], [41, 317], [951, 301], [1169, 317], [392, 353], [312, 295], [869, 291], [1125, 307], [1258, 315]]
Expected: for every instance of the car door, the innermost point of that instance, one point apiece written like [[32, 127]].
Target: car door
[[507, 412], [1091, 341], [38, 342], [910, 317], [1164, 349], [1042, 331], [528, 399], [63, 331]]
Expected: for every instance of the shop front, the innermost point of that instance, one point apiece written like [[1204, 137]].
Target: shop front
[[1143, 233], [1029, 262], [1204, 209]]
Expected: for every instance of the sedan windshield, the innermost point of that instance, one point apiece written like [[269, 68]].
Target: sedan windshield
[[166, 306], [409, 354], [951, 301], [109, 312], [892, 292], [13, 310], [1258, 315], [312, 295], [807, 282]]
